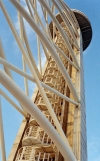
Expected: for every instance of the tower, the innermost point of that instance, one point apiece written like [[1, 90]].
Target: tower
[[56, 128]]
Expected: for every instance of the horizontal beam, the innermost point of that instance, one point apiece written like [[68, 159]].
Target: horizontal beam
[[24, 74], [60, 94]]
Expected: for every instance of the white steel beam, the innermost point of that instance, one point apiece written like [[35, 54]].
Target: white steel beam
[[2, 142], [12, 67], [37, 16], [67, 23], [38, 48], [23, 61], [59, 94], [45, 50], [39, 55], [68, 16], [2, 55], [46, 100], [72, 15], [29, 8], [48, 45], [55, 21], [64, 36], [25, 39], [65, 56], [32, 109], [25, 80]]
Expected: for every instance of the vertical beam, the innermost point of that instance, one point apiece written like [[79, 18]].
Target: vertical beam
[[24, 38], [39, 55], [3, 152], [2, 55], [38, 44], [25, 80], [23, 61], [29, 51], [77, 110]]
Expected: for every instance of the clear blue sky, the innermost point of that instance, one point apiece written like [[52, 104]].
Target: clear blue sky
[[12, 118]]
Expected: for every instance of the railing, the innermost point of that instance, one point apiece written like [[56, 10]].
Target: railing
[[57, 110], [37, 133], [31, 154]]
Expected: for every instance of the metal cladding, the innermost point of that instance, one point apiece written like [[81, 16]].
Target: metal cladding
[[85, 27]]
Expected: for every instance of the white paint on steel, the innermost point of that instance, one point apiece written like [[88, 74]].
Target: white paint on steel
[[2, 142], [48, 45], [46, 100], [24, 74], [32, 109]]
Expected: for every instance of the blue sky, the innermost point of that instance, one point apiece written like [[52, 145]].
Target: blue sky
[[12, 119]]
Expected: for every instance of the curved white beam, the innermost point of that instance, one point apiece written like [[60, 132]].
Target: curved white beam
[[37, 15], [61, 31], [2, 55], [25, 39], [67, 23], [68, 16], [72, 15], [46, 41], [32, 109], [12, 67], [48, 45]]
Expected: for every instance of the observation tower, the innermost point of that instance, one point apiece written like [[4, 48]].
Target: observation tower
[[54, 124]]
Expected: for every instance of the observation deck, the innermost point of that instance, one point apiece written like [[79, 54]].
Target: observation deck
[[84, 25]]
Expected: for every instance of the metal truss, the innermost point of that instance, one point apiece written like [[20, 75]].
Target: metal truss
[[50, 8]]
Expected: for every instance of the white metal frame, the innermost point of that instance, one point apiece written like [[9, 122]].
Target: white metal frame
[[50, 49]]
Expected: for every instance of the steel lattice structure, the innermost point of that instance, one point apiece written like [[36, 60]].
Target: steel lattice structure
[[54, 126]]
